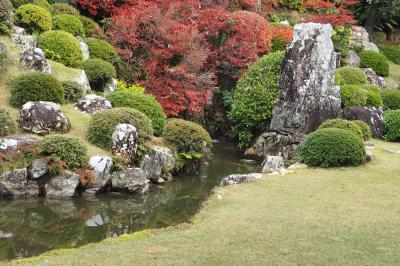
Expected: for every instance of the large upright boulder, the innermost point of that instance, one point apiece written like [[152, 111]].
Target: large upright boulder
[[308, 93], [125, 140]]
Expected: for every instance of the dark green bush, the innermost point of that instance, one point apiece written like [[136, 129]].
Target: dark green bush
[[36, 86], [33, 18], [352, 95], [254, 98], [62, 47], [392, 125], [343, 124], [365, 129], [18, 3], [332, 147], [351, 76], [391, 98], [99, 72], [102, 50], [64, 8], [7, 124], [377, 61], [373, 95], [68, 23], [70, 150], [102, 125], [144, 103], [90, 27], [73, 91], [186, 135], [392, 52]]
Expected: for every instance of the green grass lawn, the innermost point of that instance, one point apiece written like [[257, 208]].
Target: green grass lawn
[[393, 80], [343, 216]]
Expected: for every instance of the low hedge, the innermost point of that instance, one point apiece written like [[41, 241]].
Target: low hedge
[[365, 129], [68, 23], [33, 18], [392, 125], [102, 50], [377, 61], [350, 76], [70, 150], [392, 52], [144, 103], [343, 124], [62, 47], [331, 147], [391, 98], [98, 72], [64, 8], [73, 91], [186, 135], [7, 124], [102, 125], [36, 86]]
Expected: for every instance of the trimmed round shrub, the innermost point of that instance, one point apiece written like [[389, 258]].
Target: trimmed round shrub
[[42, 3], [73, 91], [99, 72], [144, 103], [391, 98], [392, 52], [68, 23], [365, 129], [186, 135], [33, 18], [352, 95], [7, 124], [36, 86], [64, 8], [61, 47], [351, 76], [373, 95], [102, 125], [343, 124], [102, 50], [377, 61], [391, 120], [70, 150], [90, 27], [331, 147]]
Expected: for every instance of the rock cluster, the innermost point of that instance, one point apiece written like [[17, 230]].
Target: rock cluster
[[34, 59], [360, 39], [43, 118], [19, 36], [131, 180], [125, 140], [277, 144], [17, 142], [158, 164], [101, 166], [92, 103], [16, 184], [237, 179], [373, 78], [62, 186]]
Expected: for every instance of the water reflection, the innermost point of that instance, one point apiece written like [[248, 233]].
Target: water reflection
[[31, 227]]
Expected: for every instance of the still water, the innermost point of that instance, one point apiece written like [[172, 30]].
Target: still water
[[31, 227]]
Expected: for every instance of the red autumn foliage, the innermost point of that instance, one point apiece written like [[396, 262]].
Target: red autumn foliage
[[331, 12], [282, 32]]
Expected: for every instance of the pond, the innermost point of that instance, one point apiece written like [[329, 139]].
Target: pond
[[31, 227]]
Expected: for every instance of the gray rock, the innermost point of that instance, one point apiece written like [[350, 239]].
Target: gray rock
[[38, 169], [43, 118], [158, 162], [8, 144], [297, 166], [131, 180], [95, 221], [92, 103], [370, 157], [84, 82], [17, 185], [273, 164], [308, 93], [370, 115], [125, 140], [34, 59], [353, 59], [18, 142], [101, 166], [237, 179], [84, 48], [360, 39], [111, 86], [62, 186], [19, 36], [373, 78]]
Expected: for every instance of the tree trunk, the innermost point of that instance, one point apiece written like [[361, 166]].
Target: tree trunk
[[372, 18]]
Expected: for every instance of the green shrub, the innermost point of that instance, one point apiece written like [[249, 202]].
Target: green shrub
[[73, 91], [377, 61], [42, 3], [90, 27], [18, 3], [351, 76], [99, 72], [102, 50], [254, 98], [332, 147], [392, 52], [392, 125], [7, 124], [102, 125], [391, 98], [374, 99], [341, 40], [352, 95], [343, 124], [36, 86], [3, 57], [365, 129], [68, 23], [34, 19], [144, 103], [63, 8], [186, 135], [61, 47], [70, 150]]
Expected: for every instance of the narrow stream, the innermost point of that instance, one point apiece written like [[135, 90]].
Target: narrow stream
[[31, 227]]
